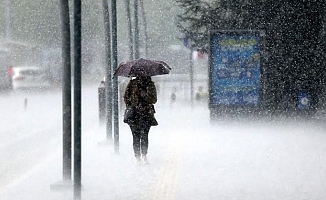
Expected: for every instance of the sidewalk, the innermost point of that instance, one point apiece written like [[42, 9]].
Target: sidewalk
[[191, 160], [106, 175]]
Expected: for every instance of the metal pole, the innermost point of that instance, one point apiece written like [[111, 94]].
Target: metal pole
[[108, 75], [66, 90], [136, 29], [77, 99], [323, 42], [191, 77], [115, 78]]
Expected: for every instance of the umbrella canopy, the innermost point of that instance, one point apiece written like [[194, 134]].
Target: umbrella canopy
[[142, 67]]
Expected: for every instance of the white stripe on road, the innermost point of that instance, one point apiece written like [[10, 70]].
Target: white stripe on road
[[168, 175]]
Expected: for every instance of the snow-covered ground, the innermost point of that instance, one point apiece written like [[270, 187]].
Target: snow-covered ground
[[189, 158]]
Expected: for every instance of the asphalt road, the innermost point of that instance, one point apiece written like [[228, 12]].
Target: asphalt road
[[30, 131]]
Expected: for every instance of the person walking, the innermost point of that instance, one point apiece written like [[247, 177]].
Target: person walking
[[141, 94]]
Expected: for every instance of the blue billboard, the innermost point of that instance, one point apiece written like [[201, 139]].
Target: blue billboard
[[235, 68]]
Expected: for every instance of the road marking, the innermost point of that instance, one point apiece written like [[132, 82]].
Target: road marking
[[168, 175]]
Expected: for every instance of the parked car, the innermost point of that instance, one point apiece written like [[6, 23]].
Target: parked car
[[5, 79], [30, 78]]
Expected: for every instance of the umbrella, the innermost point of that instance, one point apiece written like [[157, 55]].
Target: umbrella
[[142, 67]]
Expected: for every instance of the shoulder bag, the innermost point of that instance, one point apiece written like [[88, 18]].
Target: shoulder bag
[[129, 115]]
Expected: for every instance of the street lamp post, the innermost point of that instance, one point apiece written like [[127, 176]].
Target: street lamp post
[[108, 74], [77, 99], [115, 78], [66, 90]]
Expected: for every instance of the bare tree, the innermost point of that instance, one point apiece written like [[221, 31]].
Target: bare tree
[[145, 26], [131, 51]]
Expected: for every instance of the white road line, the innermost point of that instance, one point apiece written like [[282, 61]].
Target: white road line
[[168, 175]]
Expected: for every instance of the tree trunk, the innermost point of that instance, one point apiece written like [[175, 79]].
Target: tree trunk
[[131, 51], [145, 26]]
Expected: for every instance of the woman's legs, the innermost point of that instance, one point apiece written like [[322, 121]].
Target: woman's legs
[[136, 140], [140, 140], [144, 140]]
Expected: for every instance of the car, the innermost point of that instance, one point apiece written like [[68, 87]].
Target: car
[[30, 78], [5, 79]]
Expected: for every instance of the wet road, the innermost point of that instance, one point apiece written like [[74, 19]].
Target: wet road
[[30, 130]]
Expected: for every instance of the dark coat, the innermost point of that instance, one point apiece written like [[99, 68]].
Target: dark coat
[[141, 93]]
